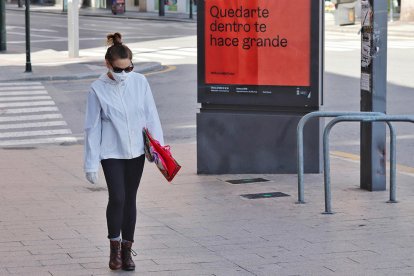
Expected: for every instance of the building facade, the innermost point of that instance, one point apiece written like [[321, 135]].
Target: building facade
[[173, 6]]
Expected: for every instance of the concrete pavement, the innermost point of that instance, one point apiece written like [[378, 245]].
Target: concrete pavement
[[52, 222]]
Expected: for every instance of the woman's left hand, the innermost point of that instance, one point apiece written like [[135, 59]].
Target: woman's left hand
[[92, 177]]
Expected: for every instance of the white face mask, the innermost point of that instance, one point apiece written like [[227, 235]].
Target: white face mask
[[119, 77]]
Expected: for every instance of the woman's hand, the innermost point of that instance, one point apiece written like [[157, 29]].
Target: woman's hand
[[92, 177]]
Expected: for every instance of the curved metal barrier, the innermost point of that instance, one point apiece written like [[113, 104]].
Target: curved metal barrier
[[299, 137], [383, 118]]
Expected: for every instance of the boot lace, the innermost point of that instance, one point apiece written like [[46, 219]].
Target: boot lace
[[133, 252]]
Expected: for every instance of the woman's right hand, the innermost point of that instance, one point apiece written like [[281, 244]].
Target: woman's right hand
[[92, 177]]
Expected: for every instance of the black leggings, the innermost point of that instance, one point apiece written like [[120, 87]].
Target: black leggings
[[122, 178]]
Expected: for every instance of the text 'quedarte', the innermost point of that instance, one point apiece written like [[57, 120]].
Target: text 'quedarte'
[[221, 25]]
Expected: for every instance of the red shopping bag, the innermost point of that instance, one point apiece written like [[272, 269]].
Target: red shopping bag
[[160, 155]]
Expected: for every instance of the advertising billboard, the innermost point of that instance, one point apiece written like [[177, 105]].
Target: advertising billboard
[[259, 52]]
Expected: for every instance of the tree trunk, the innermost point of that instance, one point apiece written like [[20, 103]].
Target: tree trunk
[[407, 10]]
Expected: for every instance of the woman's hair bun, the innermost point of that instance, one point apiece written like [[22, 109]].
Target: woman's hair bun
[[114, 39]]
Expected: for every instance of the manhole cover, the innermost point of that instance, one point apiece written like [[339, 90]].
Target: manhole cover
[[265, 195], [247, 180]]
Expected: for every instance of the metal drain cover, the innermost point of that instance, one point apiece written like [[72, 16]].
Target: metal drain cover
[[246, 180], [265, 195]]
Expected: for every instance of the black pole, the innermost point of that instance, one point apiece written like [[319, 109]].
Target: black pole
[[373, 92], [161, 8], [3, 46], [27, 17], [191, 9]]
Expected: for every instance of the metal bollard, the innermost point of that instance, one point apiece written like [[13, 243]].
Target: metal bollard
[[385, 118], [299, 136]]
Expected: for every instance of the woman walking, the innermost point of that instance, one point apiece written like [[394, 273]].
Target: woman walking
[[120, 104]]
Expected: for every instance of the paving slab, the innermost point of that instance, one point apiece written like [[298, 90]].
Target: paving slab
[[54, 220]]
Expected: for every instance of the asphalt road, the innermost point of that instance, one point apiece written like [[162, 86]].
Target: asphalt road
[[342, 84], [174, 93], [49, 31], [175, 90]]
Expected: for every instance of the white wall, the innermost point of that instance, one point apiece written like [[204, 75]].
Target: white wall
[[407, 10], [129, 5], [149, 5]]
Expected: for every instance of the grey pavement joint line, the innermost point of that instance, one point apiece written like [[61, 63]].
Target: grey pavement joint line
[[203, 246]]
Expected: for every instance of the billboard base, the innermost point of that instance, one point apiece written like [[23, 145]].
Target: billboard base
[[254, 143]]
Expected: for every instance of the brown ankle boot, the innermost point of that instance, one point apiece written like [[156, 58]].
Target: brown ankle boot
[[126, 250], [115, 261]]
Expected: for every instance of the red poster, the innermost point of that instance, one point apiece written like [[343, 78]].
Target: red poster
[[258, 42]]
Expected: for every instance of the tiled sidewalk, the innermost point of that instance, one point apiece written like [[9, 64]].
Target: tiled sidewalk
[[52, 222]]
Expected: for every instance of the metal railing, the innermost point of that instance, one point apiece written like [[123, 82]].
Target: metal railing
[[383, 118], [299, 136]]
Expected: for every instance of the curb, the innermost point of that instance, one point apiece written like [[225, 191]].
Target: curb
[[146, 69], [90, 14]]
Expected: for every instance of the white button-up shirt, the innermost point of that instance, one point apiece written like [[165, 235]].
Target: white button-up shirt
[[116, 113]]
